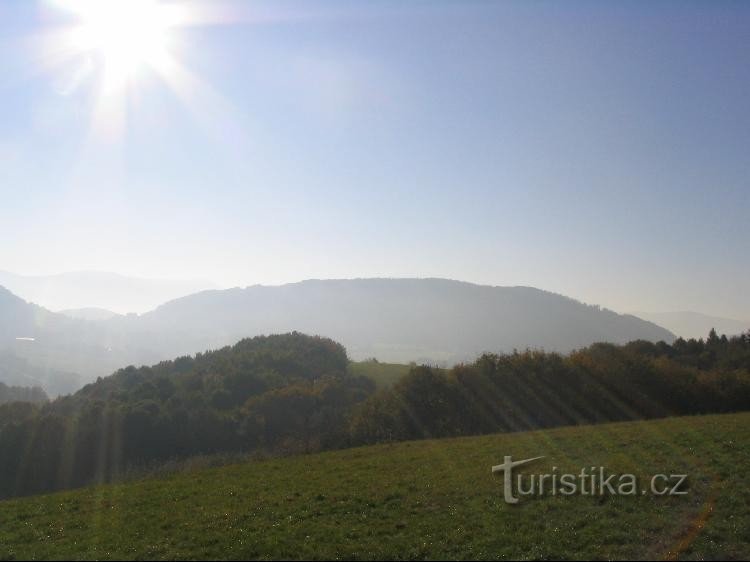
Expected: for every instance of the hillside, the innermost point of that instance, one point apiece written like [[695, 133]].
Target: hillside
[[57, 352], [20, 319], [394, 320], [293, 393], [417, 500], [283, 393]]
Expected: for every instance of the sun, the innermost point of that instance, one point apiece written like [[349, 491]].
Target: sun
[[115, 53], [124, 36]]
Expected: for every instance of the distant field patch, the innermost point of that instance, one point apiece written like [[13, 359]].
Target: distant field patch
[[383, 374]]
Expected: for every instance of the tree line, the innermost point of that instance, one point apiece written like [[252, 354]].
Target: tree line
[[294, 393], [533, 389], [21, 394]]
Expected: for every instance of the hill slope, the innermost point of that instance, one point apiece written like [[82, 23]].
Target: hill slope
[[39, 347], [428, 499], [396, 320]]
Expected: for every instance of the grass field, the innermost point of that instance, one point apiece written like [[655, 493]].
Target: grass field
[[383, 374], [428, 499]]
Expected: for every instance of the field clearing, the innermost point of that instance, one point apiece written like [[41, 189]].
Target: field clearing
[[384, 375]]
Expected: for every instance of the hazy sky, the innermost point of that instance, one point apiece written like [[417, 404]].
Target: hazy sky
[[597, 149]]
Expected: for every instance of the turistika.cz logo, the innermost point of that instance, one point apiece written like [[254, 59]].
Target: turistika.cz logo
[[590, 481]]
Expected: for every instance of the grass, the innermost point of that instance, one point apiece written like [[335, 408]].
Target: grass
[[427, 499], [383, 374]]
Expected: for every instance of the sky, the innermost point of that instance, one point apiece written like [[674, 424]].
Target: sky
[[595, 149]]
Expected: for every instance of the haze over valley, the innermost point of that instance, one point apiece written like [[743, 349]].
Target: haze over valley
[[81, 291], [689, 324]]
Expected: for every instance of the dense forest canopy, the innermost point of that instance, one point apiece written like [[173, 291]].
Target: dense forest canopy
[[295, 393], [288, 391]]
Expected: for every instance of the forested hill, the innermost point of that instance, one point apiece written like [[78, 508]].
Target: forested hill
[[284, 392], [400, 320]]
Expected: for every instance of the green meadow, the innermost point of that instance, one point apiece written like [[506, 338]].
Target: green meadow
[[384, 375], [415, 500]]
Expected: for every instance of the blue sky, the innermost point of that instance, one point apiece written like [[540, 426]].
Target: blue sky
[[595, 149]]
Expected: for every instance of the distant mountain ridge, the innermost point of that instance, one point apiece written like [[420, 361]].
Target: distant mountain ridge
[[395, 320], [92, 314]]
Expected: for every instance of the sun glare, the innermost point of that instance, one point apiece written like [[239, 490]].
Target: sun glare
[[108, 45], [125, 35]]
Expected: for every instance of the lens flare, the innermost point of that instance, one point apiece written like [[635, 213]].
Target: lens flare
[[124, 35]]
